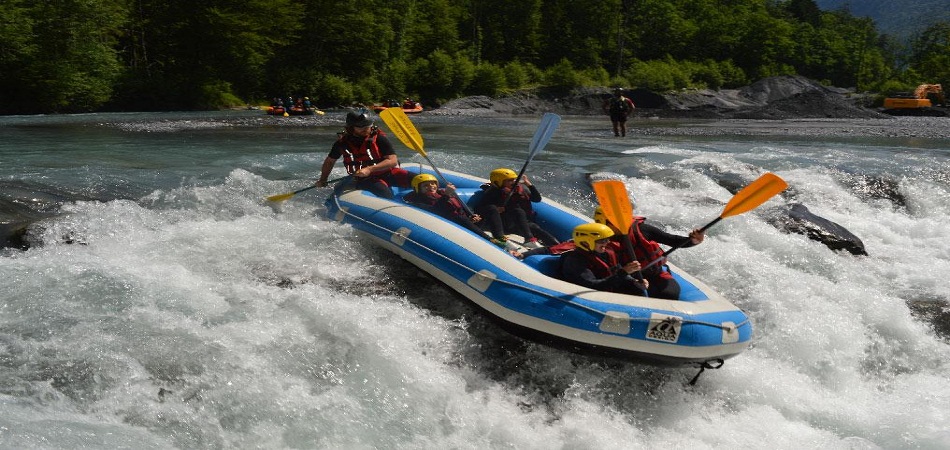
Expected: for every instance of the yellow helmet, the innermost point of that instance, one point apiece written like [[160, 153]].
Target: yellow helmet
[[585, 235], [422, 178], [498, 176], [599, 216]]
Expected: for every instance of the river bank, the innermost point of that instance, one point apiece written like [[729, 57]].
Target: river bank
[[791, 105]]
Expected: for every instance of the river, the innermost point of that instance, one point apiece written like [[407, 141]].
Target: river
[[162, 303]]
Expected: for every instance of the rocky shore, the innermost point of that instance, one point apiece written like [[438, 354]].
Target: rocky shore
[[784, 105]]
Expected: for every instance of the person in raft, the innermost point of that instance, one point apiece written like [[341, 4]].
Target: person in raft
[[646, 240], [516, 212], [368, 155], [594, 263], [444, 202]]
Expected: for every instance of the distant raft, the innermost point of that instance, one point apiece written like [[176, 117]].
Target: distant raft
[[416, 107], [701, 328]]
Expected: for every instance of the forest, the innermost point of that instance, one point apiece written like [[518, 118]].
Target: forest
[[67, 56]]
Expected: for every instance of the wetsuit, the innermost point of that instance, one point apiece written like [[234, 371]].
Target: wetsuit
[[517, 216], [599, 271]]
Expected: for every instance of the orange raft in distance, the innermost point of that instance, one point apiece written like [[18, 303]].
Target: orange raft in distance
[[408, 106]]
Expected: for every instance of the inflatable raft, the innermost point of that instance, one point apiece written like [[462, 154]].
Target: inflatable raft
[[416, 108], [701, 328]]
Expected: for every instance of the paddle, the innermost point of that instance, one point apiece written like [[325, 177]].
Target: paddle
[[613, 199], [287, 196], [549, 123], [402, 127], [749, 198]]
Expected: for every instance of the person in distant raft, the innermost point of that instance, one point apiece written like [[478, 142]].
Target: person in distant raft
[[646, 240], [368, 155], [619, 107]]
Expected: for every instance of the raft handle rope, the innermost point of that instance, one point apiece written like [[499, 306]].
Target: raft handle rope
[[336, 201], [705, 365]]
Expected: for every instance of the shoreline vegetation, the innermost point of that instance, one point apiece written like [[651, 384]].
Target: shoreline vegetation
[[150, 55]]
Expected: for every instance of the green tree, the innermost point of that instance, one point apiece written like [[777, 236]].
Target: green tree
[[504, 30], [70, 62], [488, 79], [17, 50], [930, 54], [183, 51]]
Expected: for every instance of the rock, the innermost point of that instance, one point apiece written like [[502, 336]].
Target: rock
[[935, 311], [13, 235], [877, 187], [798, 219]]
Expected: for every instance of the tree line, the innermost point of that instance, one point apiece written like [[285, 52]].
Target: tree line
[[60, 56]]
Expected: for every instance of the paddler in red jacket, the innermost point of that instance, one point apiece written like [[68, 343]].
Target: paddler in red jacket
[[367, 155], [646, 240]]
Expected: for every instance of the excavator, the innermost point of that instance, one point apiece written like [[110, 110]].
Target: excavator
[[926, 100]]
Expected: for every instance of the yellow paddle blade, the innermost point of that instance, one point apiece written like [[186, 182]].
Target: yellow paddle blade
[[320, 112], [280, 197], [402, 127], [612, 196], [755, 194]]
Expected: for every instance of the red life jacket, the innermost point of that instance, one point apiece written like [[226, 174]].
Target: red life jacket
[[645, 250], [424, 200], [430, 201], [563, 247], [598, 265], [356, 157]]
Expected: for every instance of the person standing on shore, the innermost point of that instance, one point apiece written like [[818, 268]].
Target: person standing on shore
[[619, 107]]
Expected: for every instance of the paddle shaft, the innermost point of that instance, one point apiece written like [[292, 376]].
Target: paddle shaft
[[628, 247], [673, 249], [549, 123], [287, 196], [515, 185], [750, 197]]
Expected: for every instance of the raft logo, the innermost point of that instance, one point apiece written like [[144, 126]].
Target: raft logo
[[664, 328]]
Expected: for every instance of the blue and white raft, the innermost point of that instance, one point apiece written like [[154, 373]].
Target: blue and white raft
[[701, 328]]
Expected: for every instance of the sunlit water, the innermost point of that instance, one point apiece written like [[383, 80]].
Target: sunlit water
[[164, 304]]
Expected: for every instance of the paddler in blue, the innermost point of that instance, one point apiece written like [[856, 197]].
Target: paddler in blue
[[367, 155], [594, 264], [513, 204]]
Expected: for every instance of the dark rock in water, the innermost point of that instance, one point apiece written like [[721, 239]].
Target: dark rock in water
[[935, 311], [798, 219], [878, 187], [12, 235]]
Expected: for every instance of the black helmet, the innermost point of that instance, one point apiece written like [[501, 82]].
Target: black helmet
[[355, 119]]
